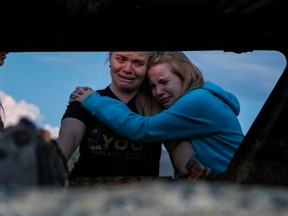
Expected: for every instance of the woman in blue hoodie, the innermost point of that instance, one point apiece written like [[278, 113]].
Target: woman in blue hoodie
[[200, 111]]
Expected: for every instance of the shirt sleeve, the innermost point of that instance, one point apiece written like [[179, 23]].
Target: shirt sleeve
[[189, 117]]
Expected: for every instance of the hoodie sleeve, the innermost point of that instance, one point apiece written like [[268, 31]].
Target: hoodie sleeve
[[190, 116]]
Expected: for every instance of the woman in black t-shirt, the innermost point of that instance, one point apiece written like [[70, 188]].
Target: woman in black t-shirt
[[102, 151]]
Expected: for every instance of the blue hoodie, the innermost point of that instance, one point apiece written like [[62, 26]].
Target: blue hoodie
[[206, 115]]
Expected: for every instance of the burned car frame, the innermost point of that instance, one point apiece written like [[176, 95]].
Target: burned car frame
[[194, 25]]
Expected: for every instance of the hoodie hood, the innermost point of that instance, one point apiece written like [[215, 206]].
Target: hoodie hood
[[227, 97]]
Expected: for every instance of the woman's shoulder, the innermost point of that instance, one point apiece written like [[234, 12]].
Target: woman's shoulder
[[195, 99], [199, 93]]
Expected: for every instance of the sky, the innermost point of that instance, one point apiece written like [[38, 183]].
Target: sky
[[37, 85]]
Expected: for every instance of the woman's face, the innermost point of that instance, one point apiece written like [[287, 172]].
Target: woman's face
[[165, 85], [128, 70]]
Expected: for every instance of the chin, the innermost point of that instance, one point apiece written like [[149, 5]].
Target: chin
[[166, 105]]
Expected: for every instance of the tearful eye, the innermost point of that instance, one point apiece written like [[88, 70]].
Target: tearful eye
[[164, 82], [139, 64]]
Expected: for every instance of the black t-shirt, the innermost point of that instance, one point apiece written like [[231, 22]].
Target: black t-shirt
[[106, 153]]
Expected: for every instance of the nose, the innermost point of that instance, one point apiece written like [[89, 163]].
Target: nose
[[159, 91], [127, 67]]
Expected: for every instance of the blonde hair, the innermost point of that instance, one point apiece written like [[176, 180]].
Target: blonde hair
[[145, 103], [182, 67]]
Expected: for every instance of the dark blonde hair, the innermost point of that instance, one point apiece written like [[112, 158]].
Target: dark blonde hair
[[145, 103], [182, 67]]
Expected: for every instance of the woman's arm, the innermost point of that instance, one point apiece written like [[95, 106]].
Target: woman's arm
[[184, 160], [70, 135], [187, 118]]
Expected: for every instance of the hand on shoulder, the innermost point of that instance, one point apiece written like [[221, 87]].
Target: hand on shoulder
[[80, 94]]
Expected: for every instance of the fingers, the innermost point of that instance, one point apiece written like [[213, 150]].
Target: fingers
[[84, 88], [80, 93], [207, 171], [196, 170], [198, 174], [75, 94]]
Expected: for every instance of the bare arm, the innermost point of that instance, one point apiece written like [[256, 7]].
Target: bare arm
[[184, 159], [70, 135]]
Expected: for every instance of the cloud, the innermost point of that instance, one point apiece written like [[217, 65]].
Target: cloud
[[250, 76], [14, 111], [54, 131]]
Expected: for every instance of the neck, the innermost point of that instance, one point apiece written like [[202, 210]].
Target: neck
[[124, 96]]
